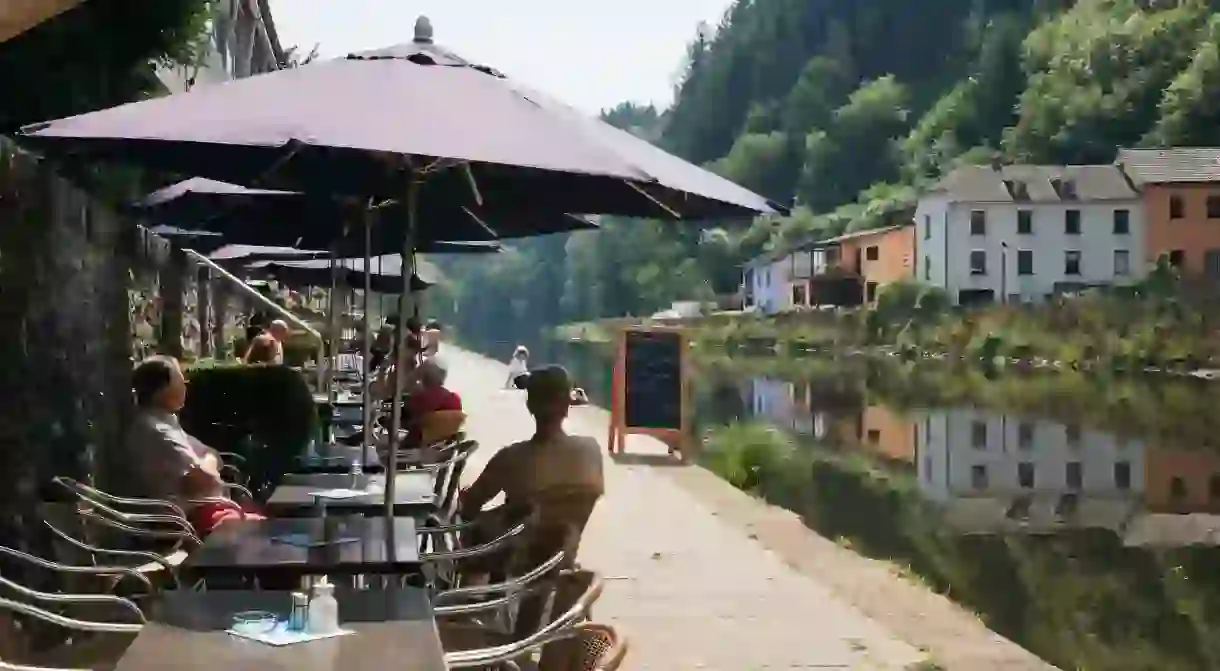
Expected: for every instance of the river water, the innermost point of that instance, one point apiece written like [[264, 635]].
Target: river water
[[1077, 516]]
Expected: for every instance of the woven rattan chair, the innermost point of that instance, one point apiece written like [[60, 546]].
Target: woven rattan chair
[[465, 649]]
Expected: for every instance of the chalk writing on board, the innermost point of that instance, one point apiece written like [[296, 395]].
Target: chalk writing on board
[[653, 380]]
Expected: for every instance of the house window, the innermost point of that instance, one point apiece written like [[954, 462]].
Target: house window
[[927, 227], [1213, 207], [872, 253], [1072, 433], [1122, 475], [978, 222], [1025, 475], [1177, 208], [1025, 435], [978, 476], [1176, 258], [1122, 222], [1211, 263], [927, 268], [874, 436], [870, 291], [1177, 488], [1025, 262], [1122, 262], [798, 294], [978, 262], [1074, 473], [978, 434], [1071, 263], [1025, 222], [1071, 222]]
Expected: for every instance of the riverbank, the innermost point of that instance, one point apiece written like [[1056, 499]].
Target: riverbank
[[707, 576], [1151, 328]]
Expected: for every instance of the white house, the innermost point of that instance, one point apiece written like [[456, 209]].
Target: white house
[[767, 283], [1025, 232], [992, 470]]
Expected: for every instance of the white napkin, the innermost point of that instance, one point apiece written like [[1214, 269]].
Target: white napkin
[[281, 635], [340, 493]]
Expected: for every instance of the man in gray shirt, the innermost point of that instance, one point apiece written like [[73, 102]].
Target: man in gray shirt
[[169, 463]]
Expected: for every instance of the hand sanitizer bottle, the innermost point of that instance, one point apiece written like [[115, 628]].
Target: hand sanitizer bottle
[[357, 473], [323, 608]]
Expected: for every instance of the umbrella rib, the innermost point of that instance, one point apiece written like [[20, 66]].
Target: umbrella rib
[[635, 187]]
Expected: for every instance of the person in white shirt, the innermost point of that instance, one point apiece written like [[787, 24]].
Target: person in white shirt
[[518, 365]]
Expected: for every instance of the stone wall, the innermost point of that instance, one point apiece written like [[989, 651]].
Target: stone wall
[[66, 265]]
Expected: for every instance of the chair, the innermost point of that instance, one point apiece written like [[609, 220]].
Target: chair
[[464, 600], [444, 563], [567, 626], [114, 574], [172, 524], [83, 649], [440, 425]]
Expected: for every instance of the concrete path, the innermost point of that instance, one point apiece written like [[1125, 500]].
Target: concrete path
[[688, 590]]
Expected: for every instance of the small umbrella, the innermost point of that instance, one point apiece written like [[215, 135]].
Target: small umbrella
[[311, 220]]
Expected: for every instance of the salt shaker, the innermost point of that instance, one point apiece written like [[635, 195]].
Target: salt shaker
[[298, 617], [357, 470]]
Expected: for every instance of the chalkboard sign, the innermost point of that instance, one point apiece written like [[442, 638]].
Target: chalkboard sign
[[653, 380]]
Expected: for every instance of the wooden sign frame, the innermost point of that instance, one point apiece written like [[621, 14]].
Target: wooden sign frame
[[677, 438]]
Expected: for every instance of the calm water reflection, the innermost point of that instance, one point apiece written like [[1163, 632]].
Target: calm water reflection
[[1073, 515]]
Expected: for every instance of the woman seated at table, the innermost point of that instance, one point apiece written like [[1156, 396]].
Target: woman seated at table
[[171, 464], [431, 412], [530, 472]]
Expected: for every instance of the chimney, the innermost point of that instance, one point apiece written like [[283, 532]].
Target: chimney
[[423, 30]]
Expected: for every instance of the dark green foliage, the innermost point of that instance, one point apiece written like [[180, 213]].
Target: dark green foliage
[[270, 404], [97, 55]]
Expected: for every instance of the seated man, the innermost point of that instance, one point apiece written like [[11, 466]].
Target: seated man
[[529, 473], [170, 464], [268, 346]]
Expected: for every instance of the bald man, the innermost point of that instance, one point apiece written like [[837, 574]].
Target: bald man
[[268, 346]]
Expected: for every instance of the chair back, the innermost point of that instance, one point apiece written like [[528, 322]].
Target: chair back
[[440, 425], [591, 647]]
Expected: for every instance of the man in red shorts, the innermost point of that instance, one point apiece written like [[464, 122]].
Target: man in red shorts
[[170, 464]]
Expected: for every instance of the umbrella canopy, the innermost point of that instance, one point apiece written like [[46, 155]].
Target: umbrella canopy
[[270, 247], [374, 121], [385, 273], [258, 253], [257, 216]]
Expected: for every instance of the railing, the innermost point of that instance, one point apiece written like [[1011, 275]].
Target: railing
[[253, 294]]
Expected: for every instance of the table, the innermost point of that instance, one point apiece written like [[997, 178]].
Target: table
[[241, 548], [395, 629], [414, 495]]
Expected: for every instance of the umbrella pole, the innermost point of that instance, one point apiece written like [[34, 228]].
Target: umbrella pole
[[408, 245], [334, 326], [368, 341]]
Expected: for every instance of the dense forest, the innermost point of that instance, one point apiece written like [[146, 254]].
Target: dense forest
[[847, 109]]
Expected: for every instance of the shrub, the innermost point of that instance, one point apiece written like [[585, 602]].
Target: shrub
[[271, 404]]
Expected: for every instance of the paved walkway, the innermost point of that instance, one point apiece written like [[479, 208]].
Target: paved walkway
[[689, 591]]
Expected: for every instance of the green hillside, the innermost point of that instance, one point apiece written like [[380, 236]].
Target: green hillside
[[847, 109]]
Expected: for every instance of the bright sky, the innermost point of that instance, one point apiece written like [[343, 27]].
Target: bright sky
[[590, 54]]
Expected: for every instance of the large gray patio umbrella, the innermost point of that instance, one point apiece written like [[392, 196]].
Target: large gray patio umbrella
[[413, 122]]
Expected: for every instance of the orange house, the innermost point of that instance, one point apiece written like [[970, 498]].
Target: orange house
[[1181, 191], [868, 259], [1181, 480]]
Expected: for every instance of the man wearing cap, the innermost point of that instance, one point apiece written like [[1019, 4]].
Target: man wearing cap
[[551, 459]]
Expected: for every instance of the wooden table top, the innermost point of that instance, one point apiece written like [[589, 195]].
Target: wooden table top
[[414, 494], [395, 629], [353, 545]]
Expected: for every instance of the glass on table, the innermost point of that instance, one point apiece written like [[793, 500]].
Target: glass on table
[[254, 622]]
